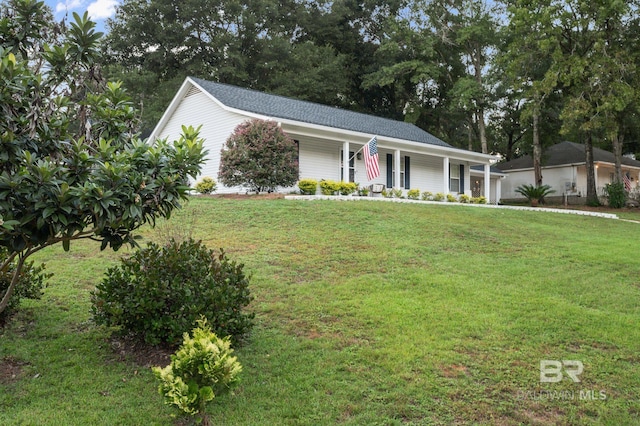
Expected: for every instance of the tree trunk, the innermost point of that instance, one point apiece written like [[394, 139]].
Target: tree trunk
[[482, 131], [478, 64], [617, 153], [592, 191], [470, 135], [12, 285], [537, 150]]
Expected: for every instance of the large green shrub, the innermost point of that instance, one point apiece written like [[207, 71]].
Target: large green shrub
[[30, 283], [260, 156], [201, 369], [616, 194], [159, 292]]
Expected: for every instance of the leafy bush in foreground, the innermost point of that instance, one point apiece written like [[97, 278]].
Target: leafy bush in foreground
[[201, 369], [159, 292]]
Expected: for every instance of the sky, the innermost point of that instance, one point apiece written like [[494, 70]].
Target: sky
[[99, 10]]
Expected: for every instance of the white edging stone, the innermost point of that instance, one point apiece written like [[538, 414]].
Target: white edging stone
[[443, 203]]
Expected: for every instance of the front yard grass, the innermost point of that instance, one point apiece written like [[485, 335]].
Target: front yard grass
[[367, 313]]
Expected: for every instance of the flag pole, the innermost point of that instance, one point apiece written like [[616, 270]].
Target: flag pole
[[356, 153], [361, 148]]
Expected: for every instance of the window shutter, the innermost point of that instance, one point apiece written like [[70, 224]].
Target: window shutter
[[462, 178], [389, 171], [407, 174]]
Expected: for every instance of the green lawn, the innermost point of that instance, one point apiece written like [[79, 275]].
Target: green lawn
[[367, 313]]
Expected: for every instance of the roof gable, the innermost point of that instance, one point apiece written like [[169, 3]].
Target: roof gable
[[565, 153], [280, 107]]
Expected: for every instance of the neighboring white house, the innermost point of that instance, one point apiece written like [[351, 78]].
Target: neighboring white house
[[327, 137], [564, 169]]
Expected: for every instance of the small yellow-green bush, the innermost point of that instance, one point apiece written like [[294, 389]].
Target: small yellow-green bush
[[201, 369], [329, 187], [347, 188], [479, 200], [413, 194], [308, 186], [206, 185], [451, 198], [438, 197], [464, 198], [427, 196]]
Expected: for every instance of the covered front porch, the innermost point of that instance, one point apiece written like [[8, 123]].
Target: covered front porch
[[403, 164]]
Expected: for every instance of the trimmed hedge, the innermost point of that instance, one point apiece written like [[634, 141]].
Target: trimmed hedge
[[159, 293]]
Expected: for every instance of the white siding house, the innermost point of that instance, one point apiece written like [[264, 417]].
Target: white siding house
[[410, 158], [564, 169]]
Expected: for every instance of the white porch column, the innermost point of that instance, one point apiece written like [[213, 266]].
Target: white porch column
[[487, 182], [498, 189], [445, 175], [396, 163], [345, 161]]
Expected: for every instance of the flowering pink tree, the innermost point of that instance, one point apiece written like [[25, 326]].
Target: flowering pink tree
[[259, 155]]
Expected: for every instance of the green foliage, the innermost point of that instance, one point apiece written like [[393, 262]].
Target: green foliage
[[616, 194], [464, 198], [427, 196], [70, 164], [535, 194], [30, 283], [348, 188], [479, 200], [158, 293], [308, 186], [206, 185], [413, 194], [396, 193], [329, 187], [201, 369], [363, 191], [259, 155], [452, 198], [439, 196]]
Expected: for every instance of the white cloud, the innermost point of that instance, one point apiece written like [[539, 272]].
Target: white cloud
[[68, 5], [102, 9]]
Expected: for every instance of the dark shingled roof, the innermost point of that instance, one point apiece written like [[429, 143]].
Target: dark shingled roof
[[564, 153], [308, 112]]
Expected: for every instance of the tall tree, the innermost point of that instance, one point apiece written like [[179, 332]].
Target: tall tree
[[592, 67], [525, 58], [472, 27], [71, 165], [310, 50]]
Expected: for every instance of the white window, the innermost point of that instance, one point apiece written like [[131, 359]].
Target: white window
[[454, 178]]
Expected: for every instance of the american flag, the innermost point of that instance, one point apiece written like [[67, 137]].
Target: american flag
[[627, 182], [371, 158]]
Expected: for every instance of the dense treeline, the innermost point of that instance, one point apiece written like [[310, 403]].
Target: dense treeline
[[505, 76]]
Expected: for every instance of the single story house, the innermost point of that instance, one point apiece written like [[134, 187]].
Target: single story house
[[564, 169], [327, 138]]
